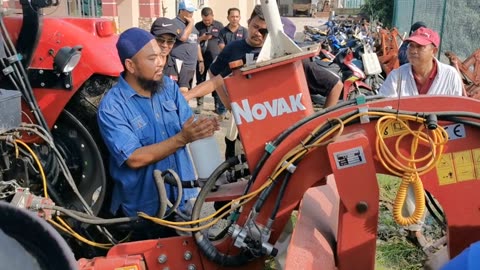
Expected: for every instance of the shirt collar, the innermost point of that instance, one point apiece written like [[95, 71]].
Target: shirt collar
[[127, 90]]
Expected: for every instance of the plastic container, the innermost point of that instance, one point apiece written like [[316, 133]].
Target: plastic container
[[205, 156]]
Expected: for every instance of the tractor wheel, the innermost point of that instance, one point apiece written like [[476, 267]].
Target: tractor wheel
[[76, 132], [83, 159]]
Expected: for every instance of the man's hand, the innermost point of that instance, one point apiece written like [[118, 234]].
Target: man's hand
[[198, 129], [189, 20], [201, 67], [204, 37]]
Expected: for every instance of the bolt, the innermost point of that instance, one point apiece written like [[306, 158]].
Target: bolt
[[83, 176], [42, 84], [40, 71], [162, 258], [362, 207], [192, 267], [67, 85], [187, 256], [82, 145]]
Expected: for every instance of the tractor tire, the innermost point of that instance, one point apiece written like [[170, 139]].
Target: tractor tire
[[77, 132]]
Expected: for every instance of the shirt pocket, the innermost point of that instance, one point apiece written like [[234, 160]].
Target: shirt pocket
[[171, 118], [142, 130]]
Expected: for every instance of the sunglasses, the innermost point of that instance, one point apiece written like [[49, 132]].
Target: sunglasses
[[169, 41], [262, 31]]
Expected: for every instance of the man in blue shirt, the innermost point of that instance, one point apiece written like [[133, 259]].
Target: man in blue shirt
[[146, 123]]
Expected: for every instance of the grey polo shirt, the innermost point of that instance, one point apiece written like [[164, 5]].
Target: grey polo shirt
[[186, 51]]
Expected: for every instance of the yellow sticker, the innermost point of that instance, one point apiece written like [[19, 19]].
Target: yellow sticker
[[131, 267], [445, 170], [394, 129], [464, 167], [476, 161]]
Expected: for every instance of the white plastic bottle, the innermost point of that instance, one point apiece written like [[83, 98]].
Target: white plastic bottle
[[205, 156]]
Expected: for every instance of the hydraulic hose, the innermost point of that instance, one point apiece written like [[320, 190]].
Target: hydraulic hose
[[91, 220], [162, 192], [205, 245]]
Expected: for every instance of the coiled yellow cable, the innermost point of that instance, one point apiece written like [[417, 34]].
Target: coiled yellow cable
[[407, 167]]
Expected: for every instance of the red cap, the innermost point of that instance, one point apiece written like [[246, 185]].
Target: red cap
[[425, 36]]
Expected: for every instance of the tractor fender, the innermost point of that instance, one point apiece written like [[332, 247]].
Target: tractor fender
[[98, 38]]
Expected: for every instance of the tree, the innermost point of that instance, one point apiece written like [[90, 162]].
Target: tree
[[381, 10]]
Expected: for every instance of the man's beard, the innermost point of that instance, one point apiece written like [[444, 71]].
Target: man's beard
[[150, 85]]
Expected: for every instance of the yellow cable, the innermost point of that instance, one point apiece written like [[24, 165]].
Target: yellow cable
[[69, 230], [40, 167], [406, 167], [64, 227], [409, 172]]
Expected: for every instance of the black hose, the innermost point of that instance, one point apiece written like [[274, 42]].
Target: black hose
[[281, 193], [431, 201], [205, 245]]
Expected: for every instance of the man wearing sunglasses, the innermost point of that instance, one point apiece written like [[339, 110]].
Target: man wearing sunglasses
[[165, 32]]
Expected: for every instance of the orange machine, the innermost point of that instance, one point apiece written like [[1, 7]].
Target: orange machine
[[470, 72], [388, 54], [429, 140]]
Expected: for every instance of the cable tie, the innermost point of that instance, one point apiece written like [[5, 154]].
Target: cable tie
[[330, 122], [290, 167], [269, 147], [303, 145], [364, 119], [15, 58], [7, 70]]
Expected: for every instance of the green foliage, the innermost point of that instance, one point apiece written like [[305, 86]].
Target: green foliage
[[381, 10], [461, 33]]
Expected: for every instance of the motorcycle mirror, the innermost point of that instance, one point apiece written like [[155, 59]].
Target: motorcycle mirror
[[67, 58]]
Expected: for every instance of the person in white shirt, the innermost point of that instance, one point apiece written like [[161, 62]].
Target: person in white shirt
[[423, 75]]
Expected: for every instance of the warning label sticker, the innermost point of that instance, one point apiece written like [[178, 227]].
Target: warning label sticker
[[445, 171], [395, 129], [476, 160], [464, 167], [349, 158]]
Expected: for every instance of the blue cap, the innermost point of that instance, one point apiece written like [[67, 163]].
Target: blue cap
[[186, 5], [131, 42]]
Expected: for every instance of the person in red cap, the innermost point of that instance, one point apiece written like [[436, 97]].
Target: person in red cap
[[423, 75]]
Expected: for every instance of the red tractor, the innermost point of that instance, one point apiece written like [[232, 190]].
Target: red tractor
[[61, 67]]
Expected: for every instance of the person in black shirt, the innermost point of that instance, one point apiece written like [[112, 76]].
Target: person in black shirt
[[165, 32], [233, 31], [209, 30], [319, 80]]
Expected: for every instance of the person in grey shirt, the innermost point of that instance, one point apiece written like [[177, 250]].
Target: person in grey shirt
[[186, 47]]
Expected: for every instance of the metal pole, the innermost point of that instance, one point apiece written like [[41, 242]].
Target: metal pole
[[443, 28], [413, 13]]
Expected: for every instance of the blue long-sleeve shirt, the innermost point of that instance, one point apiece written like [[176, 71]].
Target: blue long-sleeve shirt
[[129, 121]]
